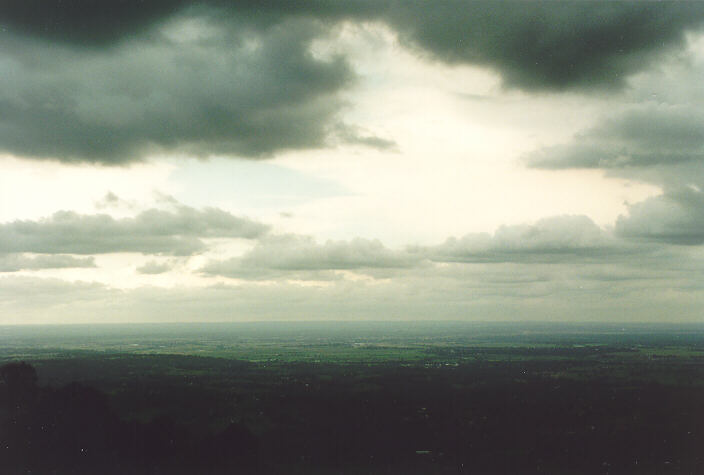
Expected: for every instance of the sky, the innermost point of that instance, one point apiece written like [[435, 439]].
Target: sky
[[181, 160]]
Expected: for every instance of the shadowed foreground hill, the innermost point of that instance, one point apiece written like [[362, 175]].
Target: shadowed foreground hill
[[73, 430], [537, 413]]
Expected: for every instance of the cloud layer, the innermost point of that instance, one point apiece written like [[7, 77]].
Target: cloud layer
[[555, 240], [563, 267]]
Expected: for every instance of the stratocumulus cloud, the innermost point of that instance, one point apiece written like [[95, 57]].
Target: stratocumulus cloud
[[302, 257], [154, 231], [17, 262], [548, 240], [645, 136]]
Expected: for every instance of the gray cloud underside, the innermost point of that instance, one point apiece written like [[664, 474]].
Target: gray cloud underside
[[556, 239], [18, 262], [647, 136], [177, 232], [181, 230], [86, 82], [241, 92], [546, 44], [300, 257]]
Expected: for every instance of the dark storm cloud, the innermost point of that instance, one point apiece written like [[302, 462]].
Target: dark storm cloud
[[237, 92], [548, 45], [644, 137], [178, 232], [17, 262], [294, 256], [85, 22], [109, 82], [549, 240]]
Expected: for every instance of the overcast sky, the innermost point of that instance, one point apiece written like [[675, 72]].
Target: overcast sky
[[178, 160]]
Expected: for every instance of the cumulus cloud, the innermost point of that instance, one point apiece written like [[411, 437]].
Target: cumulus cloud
[[179, 232], [657, 141], [675, 217], [112, 201], [548, 240], [296, 256], [17, 262], [154, 267]]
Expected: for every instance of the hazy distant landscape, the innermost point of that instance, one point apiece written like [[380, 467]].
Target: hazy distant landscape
[[361, 342], [336, 397]]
